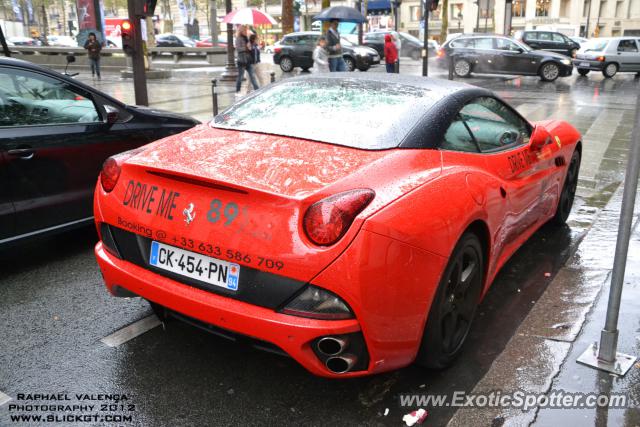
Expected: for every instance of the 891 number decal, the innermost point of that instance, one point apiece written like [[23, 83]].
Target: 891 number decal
[[218, 210]]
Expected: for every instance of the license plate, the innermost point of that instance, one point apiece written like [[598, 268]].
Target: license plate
[[584, 64], [200, 267]]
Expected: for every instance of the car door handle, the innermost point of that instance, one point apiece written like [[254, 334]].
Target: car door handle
[[25, 153]]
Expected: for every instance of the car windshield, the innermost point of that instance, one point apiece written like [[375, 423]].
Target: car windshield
[[360, 114], [595, 45]]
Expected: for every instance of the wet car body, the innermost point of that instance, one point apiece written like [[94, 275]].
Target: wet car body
[[296, 50], [609, 55], [494, 54], [55, 133], [410, 46], [315, 223]]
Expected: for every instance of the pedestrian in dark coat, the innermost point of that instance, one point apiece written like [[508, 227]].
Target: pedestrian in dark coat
[[93, 47]]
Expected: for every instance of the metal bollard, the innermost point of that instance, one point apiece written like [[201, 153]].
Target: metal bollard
[[214, 83], [450, 67], [273, 76]]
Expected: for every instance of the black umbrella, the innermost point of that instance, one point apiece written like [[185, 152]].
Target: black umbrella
[[341, 13]]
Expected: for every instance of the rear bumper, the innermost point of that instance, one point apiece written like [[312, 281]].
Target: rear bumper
[[586, 64], [292, 334], [389, 286]]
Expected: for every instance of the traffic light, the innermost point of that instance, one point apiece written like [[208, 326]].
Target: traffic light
[[145, 7], [128, 37]]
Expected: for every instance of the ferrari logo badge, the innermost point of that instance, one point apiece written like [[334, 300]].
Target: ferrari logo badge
[[558, 141], [189, 213]]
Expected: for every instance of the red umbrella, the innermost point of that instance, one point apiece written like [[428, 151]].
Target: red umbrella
[[249, 16]]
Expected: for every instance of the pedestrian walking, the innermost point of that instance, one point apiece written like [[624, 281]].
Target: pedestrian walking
[[390, 53], [244, 58], [93, 47], [258, 66], [336, 62], [398, 43], [320, 57]]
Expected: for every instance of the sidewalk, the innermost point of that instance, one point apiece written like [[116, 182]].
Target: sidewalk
[[541, 356]]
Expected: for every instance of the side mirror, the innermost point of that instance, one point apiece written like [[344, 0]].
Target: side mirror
[[520, 50], [112, 114], [539, 138]]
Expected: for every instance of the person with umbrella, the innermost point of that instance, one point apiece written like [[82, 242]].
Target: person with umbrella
[[245, 54], [244, 58], [334, 15], [336, 62]]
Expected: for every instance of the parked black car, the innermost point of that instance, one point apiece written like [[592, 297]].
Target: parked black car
[[55, 133], [410, 45], [296, 50], [495, 54], [551, 41]]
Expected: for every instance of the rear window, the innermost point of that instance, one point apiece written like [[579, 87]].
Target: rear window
[[360, 114], [594, 45]]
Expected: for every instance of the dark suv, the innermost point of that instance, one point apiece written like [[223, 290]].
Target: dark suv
[[296, 50], [495, 54], [551, 41]]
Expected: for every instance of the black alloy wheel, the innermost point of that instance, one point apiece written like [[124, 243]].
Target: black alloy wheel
[[454, 306], [568, 194]]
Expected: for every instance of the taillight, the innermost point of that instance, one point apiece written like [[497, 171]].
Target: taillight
[[440, 53], [277, 49], [600, 58], [111, 168], [109, 174], [326, 221]]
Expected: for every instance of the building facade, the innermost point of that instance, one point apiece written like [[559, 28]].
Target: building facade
[[604, 17]]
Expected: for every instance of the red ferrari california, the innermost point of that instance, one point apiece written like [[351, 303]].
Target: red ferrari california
[[352, 222]]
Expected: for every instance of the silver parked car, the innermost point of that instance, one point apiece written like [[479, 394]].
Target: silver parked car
[[609, 55]]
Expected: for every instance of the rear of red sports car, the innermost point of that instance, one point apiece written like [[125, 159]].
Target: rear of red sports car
[[285, 230]]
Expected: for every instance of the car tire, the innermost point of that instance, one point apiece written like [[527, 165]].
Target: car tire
[[583, 71], [305, 69], [462, 67], [415, 55], [610, 70], [549, 72], [454, 304], [286, 64], [568, 194], [350, 62], [364, 68]]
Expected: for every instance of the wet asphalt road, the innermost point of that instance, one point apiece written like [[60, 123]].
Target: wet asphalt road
[[54, 310]]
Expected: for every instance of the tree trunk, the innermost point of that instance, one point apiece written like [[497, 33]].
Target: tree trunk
[[444, 14], [325, 24], [151, 34], [213, 23], [45, 26], [287, 16]]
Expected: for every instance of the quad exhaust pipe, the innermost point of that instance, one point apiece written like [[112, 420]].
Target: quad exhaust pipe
[[332, 346], [341, 364]]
